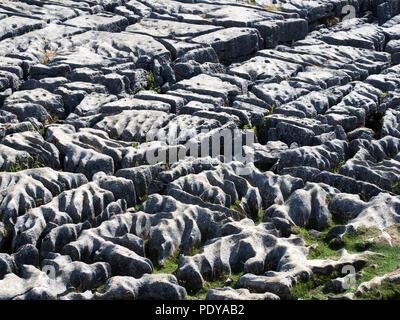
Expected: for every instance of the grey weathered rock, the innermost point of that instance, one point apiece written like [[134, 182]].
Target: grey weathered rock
[[175, 102], [63, 209], [141, 177], [281, 283], [307, 206], [232, 43], [351, 33], [77, 274], [32, 284], [88, 150], [155, 287], [170, 29], [33, 188], [123, 261], [15, 26], [228, 293], [323, 157], [58, 237], [101, 22], [33, 143], [247, 249], [209, 85]]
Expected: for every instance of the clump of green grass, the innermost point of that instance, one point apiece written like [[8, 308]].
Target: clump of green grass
[[193, 251], [387, 262], [39, 202], [322, 249], [220, 282], [385, 291], [151, 83], [361, 235], [141, 200], [51, 120], [337, 168], [235, 205], [18, 166], [384, 95], [394, 184], [259, 218], [170, 265], [272, 109], [100, 289], [313, 287], [21, 165], [257, 134]]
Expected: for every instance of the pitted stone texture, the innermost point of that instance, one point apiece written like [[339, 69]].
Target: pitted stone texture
[[170, 29], [247, 248], [15, 26], [307, 206], [33, 143], [238, 294], [77, 274], [32, 284], [232, 43], [100, 22], [32, 188], [154, 287], [87, 151], [66, 208]]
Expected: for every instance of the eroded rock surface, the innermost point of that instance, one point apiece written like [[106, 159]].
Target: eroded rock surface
[[231, 140]]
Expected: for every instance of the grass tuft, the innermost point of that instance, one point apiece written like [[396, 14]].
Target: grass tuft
[[385, 264], [273, 8], [337, 168], [235, 205], [217, 283], [48, 54], [151, 83]]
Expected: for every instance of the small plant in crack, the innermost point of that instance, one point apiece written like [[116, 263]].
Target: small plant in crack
[[39, 202], [235, 205], [272, 109], [24, 165], [48, 54], [336, 169], [151, 83], [50, 120]]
